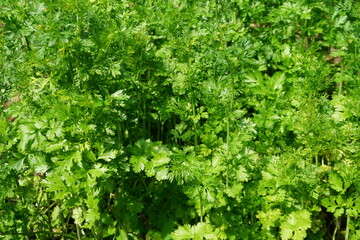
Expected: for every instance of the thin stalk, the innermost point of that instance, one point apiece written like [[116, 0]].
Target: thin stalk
[[234, 16], [174, 125], [62, 219], [148, 110], [347, 230], [119, 134], [227, 152], [67, 221], [109, 201], [340, 87], [231, 68], [162, 132], [15, 235], [316, 160], [147, 190], [49, 215], [149, 127], [217, 10], [158, 123], [78, 232], [201, 209], [94, 233], [123, 210], [337, 226], [49, 207], [144, 117], [334, 234], [27, 43], [195, 131]]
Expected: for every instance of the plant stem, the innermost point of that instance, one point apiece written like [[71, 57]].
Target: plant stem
[[78, 232], [195, 131], [119, 134], [227, 152], [347, 230], [201, 208], [340, 87], [14, 235], [337, 226], [158, 123], [334, 234], [144, 117], [49, 215]]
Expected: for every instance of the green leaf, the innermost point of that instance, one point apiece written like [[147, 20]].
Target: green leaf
[[55, 215], [90, 155], [56, 146], [25, 140], [335, 182], [235, 190], [18, 165], [254, 78], [38, 163], [26, 129], [269, 218], [295, 225], [108, 156], [204, 230], [91, 216], [334, 204], [109, 232], [162, 174], [119, 95], [97, 171], [138, 163], [242, 174], [77, 215], [70, 159], [107, 219], [197, 232], [278, 78], [183, 233], [159, 160], [122, 236]]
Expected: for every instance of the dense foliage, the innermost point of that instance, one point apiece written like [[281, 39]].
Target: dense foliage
[[180, 119]]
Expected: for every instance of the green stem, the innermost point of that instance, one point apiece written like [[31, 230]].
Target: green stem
[[337, 226], [147, 190], [49, 207], [227, 152], [36, 233], [334, 234], [347, 230], [119, 134], [162, 132], [171, 125], [195, 131], [149, 127], [201, 209], [64, 224], [122, 206], [144, 117], [340, 87], [78, 232], [158, 123], [49, 215], [234, 15]]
